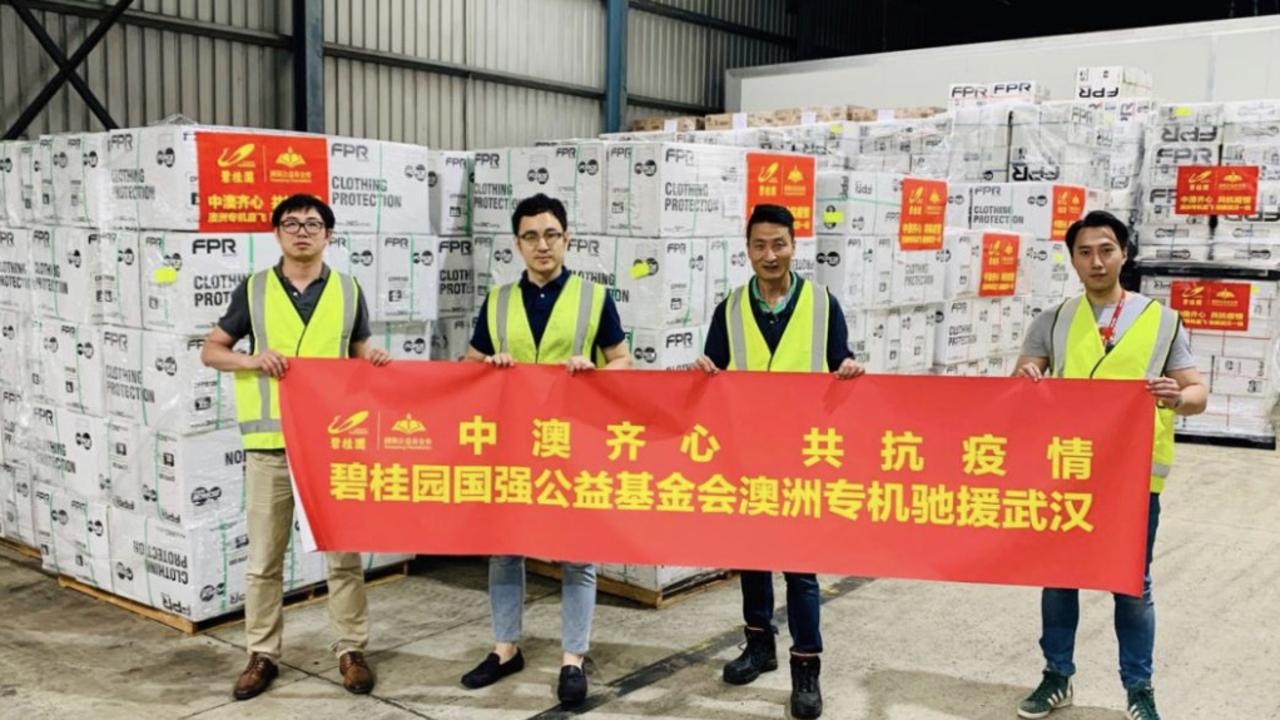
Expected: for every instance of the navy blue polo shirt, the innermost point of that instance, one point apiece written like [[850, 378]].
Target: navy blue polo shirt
[[538, 302], [772, 325]]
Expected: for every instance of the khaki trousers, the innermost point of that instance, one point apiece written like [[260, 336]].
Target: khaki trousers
[[269, 501]]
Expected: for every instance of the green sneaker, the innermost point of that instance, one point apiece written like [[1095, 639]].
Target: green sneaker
[[1054, 692], [1142, 704]]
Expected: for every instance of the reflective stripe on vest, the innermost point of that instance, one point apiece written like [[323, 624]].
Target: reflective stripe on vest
[[570, 331], [803, 345], [278, 326], [1140, 353]]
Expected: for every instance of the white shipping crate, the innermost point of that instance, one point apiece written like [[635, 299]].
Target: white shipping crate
[[595, 258], [669, 349], [662, 283], [157, 380], [189, 479], [669, 190], [449, 177], [356, 254], [188, 278], [64, 264], [405, 340], [859, 203], [81, 546], [573, 174], [960, 334], [197, 572], [15, 269], [125, 450], [728, 267], [457, 276], [410, 282], [67, 450], [497, 263], [74, 357], [117, 283]]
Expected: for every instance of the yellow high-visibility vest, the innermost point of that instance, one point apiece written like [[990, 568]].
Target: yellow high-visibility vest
[[277, 326], [571, 329], [1139, 354], [803, 346]]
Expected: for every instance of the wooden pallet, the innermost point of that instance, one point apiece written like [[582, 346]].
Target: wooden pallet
[[682, 590], [19, 549], [297, 598], [1253, 442]]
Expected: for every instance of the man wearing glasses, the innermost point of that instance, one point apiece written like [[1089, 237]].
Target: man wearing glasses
[[551, 317], [299, 308]]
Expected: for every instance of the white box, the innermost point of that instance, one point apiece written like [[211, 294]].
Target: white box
[[13, 432], [451, 336], [917, 338], [74, 353], [405, 340], [125, 451], [81, 543], [669, 349], [845, 266], [196, 572], [157, 380], [728, 268], [188, 278], [15, 504], [1112, 81], [669, 190], [457, 277], [1046, 268], [68, 450], [959, 335], [857, 203], [16, 160], [15, 269], [662, 283], [14, 348], [190, 479], [595, 258], [804, 259], [573, 174], [449, 180], [356, 254], [497, 263], [410, 281], [918, 277], [377, 186], [117, 283], [64, 263]]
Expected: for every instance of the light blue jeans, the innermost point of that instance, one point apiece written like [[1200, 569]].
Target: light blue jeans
[[577, 602]]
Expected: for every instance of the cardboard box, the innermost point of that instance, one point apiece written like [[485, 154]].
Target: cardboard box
[[197, 572], [15, 270], [457, 277], [668, 190], [373, 186], [449, 179], [667, 124], [125, 451], [1046, 268], [13, 434], [73, 168], [81, 544], [960, 332], [596, 259], [1112, 81], [188, 278], [572, 173], [67, 450], [810, 115], [497, 263], [190, 479], [157, 380], [74, 354], [662, 283], [451, 336], [411, 284], [356, 254], [117, 283], [404, 341], [857, 270], [669, 349], [738, 120], [853, 203], [728, 268], [15, 505], [16, 158]]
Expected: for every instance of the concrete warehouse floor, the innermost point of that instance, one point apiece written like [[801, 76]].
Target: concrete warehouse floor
[[896, 650]]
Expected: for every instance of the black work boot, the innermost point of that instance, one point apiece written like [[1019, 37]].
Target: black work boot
[[806, 692], [760, 655]]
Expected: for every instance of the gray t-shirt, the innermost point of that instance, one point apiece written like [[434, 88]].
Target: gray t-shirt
[[1038, 342]]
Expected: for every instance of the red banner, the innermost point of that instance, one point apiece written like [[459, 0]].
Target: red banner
[[1217, 190], [1000, 252], [994, 480], [924, 213], [1211, 305], [1068, 207], [243, 176], [783, 179]]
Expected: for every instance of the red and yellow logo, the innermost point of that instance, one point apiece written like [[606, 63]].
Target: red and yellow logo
[[290, 159]]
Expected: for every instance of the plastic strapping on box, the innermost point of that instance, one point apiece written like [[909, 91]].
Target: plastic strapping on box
[[142, 363], [146, 550], [84, 527], [413, 258], [155, 476], [377, 224], [469, 164], [222, 530], [79, 375]]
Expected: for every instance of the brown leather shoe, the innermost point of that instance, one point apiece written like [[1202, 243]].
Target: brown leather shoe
[[356, 676], [256, 677]]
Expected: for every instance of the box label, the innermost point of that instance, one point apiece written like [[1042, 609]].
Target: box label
[[1068, 207], [924, 213], [1000, 253], [1217, 190], [244, 176], [1211, 305], [787, 180]]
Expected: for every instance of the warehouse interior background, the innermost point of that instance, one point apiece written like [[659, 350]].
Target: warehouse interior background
[[461, 74]]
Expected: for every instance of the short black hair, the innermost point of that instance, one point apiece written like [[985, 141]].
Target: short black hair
[[536, 205], [1099, 219], [303, 201], [775, 214]]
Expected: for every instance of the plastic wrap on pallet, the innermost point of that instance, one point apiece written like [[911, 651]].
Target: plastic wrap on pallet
[[15, 269], [15, 505], [157, 380], [574, 173], [451, 336], [674, 348], [667, 190], [728, 268], [449, 179], [19, 182]]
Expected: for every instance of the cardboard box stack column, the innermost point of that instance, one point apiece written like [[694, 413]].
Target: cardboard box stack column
[[1241, 364], [1180, 135], [124, 462], [1251, 137]]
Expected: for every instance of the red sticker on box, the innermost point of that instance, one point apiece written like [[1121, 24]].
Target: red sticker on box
[[243, 176], [1000, 253], [1211, 305], [924, 214]]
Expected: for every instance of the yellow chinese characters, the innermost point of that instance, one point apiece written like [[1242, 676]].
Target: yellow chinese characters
[[477, 433], [899, 451], [551, 439], [699, 444], [625, 436], [984, 455], [1071, 458]]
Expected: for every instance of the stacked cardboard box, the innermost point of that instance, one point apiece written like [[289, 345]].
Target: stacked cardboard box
[[1240, 365], [1180, 135], [1251, 137], [1058, 142], [1108, 82]]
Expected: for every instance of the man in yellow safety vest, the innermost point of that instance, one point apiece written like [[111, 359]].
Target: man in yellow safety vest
[[1109, 333], [779, 323], [551, 317], [299, 308]]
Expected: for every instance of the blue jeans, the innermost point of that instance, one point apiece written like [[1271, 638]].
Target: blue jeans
[[802, 607], [1135, 622], [577, 602]]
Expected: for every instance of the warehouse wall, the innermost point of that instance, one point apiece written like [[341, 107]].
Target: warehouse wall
[[1223, 60], [145, 74]]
